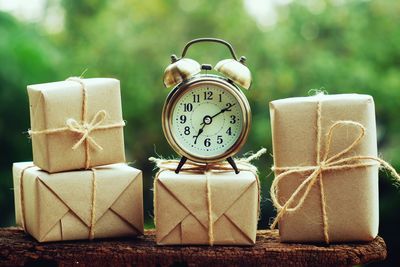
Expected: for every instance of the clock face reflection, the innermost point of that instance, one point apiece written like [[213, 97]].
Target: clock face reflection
[[207, 120]]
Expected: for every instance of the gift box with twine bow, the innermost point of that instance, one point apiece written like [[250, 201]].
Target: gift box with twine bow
[[326, 168], [101, 202], [76, 124]]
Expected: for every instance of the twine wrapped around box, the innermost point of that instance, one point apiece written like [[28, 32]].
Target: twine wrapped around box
[[337, 162], [84, 128], [92, 206], [207, 169], [103, 202]]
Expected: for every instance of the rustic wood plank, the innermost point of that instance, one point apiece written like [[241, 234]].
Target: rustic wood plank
[[18, 249]]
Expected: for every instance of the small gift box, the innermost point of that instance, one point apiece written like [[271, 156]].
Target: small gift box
[[76, 124], [326, 168], [98, 203], [214, 207]]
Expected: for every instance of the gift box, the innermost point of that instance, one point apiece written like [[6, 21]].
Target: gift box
[[206, 208], [98, 203], [76, 124], [326, 171]]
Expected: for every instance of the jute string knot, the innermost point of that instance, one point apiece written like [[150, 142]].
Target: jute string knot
[[83, 128], [335, 162], [243, 164]]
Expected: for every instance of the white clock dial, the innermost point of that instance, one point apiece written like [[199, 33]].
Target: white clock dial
[[206, 120]]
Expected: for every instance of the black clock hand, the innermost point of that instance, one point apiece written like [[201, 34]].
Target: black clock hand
[[228, 108], [208, 119], [198, 134]]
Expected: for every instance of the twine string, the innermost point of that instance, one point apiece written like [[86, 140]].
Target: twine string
[[208, 169], [335, 162], [92, 206], [197, 167], [83, 128], [319, 176], [209, 210], [22, 197]]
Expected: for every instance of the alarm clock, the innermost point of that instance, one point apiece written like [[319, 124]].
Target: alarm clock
[[206, 118]]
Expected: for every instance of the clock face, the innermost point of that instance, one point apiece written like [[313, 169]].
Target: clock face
[[207, 120]]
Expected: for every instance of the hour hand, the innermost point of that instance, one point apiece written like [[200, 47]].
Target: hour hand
[[198, 134]]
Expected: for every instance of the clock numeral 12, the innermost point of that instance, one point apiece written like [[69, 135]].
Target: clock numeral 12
[[208, 95]]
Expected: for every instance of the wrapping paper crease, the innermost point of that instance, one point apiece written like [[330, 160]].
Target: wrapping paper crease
[[182, 210], [58, 206]]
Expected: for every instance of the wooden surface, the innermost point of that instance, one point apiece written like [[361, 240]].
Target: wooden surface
[[18, 249]]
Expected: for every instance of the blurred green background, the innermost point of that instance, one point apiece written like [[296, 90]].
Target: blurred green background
[[342, 46]]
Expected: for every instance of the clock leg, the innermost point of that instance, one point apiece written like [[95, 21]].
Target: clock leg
[[233, 164], [180, 165]]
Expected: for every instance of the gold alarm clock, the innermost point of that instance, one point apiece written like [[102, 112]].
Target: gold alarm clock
[[206, 118]]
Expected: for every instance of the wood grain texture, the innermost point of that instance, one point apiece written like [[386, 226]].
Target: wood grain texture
[[18, 249]]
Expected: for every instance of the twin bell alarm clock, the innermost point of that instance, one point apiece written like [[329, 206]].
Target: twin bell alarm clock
[[206, 118]]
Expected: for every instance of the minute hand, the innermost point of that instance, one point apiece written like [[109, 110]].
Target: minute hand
[[228, 108]]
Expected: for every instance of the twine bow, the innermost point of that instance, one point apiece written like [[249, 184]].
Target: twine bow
[[83, 128], [243, 164], [335, 162]]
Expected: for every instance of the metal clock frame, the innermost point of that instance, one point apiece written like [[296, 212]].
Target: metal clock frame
[[181, 89]]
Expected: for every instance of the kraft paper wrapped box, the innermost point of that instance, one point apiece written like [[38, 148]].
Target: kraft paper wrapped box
[[99, 203], [76, 124], [182, 205], [333, 136]]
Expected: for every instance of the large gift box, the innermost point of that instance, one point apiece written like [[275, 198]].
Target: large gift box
[[97, 203], [76, 124], [206, 208], [326, 178]]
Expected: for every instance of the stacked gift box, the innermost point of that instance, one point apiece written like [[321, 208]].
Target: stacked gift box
[[78, 186]]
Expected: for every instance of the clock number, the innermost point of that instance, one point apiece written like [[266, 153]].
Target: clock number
[[187, 107], [208, 95], [233, 119], [196, 98], [187, 130], [229, 131], [183, 119], [220, 97], [207, 142], [219, 139]]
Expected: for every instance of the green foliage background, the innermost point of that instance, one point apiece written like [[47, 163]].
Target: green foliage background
[[352, 47]]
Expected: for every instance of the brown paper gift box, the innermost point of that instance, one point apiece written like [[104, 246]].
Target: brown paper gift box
[[52, 104], [181, 208], [351, 195], [59, 206]]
